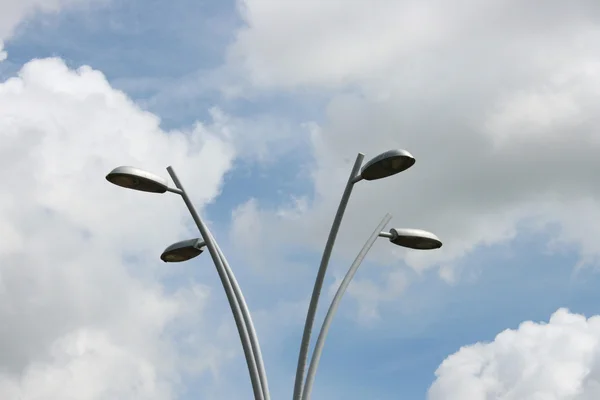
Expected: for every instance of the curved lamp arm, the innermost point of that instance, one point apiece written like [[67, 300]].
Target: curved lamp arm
[[314, 300], [229, 291], [249, 324], [316, 356]]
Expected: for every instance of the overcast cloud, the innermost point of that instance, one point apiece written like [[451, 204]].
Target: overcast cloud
[[501, 116]]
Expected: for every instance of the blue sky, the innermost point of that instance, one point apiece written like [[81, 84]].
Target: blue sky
[[514, 226]]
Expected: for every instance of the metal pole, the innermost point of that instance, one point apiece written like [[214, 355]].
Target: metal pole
[[235, 307], [314, 300], [249, 324], [316, 356]]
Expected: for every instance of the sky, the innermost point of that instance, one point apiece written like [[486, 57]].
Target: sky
[[261, 107]]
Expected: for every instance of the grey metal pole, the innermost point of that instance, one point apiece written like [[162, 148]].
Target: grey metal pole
[[316, 356], [235, 307], [249, 324], [314, 300]]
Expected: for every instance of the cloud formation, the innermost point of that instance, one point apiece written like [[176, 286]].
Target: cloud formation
[[501, 116], [340, 43], [558, 360], [84, 314]]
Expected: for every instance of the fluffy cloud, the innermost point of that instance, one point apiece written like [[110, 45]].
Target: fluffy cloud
[[84, 315], [558, 360], [498, 102]]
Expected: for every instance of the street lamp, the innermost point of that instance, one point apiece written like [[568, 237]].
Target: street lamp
[[417, 239], [137, 179], [183, 251], [386, 164], [410, 238]]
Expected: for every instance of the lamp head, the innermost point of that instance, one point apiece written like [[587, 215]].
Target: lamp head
[[415, 239], [386, 164], [183, 251], [137, 179]]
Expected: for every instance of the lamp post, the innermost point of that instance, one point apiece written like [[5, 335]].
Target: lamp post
[[134, 178], [410, 238], [384, 165]]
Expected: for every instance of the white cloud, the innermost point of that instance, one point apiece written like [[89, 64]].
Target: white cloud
[[498, 102], [297, 43], [558, 360], [84, 315], [329, 43]]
